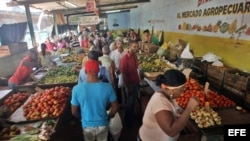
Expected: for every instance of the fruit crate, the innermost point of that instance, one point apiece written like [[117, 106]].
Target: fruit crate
[[237, 79]]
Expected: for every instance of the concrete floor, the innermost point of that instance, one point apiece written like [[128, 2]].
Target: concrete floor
[[73, 132]]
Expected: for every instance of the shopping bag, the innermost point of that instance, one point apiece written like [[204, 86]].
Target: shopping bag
[[115, 124], [120, 81]]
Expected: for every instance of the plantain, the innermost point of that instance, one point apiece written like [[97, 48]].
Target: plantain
[[232, 27], [241, 28]]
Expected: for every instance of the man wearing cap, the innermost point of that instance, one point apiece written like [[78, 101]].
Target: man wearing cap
[[89, 102]]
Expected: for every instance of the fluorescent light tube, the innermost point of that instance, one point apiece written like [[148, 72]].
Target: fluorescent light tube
[[71, 4], [113, 11]]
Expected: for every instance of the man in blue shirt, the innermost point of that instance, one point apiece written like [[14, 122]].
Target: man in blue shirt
[[89, 102], [92, 55]]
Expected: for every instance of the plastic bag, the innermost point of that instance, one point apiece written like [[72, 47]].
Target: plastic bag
[[115, 124], [162, 51], [120, 81]]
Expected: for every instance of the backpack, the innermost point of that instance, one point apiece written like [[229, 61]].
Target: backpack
[[102, 76]]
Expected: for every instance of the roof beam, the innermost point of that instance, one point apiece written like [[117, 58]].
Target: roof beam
[[102, 11], [28, 2], [103, 5]]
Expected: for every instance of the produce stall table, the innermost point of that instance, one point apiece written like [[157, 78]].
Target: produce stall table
[[34, 111], [229, 116], [4, 93]]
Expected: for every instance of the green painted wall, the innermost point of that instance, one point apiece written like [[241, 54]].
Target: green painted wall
[[232, 54]]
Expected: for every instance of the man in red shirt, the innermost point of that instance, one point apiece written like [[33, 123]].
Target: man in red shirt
[[128, 66], [24, 69]]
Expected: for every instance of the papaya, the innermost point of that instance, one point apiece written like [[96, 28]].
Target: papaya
[[232, 27], [215, 28]]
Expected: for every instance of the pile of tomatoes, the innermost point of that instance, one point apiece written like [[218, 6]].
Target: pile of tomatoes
[[193, 88], [48, 104], [15, 100], [219, 101]]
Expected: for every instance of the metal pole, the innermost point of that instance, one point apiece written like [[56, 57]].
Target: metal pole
[[55, 24], [30, 24]]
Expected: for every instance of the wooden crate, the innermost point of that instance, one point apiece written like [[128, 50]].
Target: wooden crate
[[202, 65], [237, 79], [4, 51], [215, 75], [215, 83], [13, 48], [150, 48], [247, 100], [234, 94], [18, 47], [216, 72]]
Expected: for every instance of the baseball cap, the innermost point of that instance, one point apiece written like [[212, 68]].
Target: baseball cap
[[92, 66]]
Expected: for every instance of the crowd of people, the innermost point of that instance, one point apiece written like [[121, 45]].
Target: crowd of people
[[92, 97]]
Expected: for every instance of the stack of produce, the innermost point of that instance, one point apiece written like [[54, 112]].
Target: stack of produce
[[193, 88], [62, 74], [152, 63], [15, 100], [9, 132], [70, 58], [46, 131], [219, 101], [48, 104], [205, 117]]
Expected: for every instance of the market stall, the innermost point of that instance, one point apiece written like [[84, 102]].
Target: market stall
[[34, 112], [41, 105], [224, 108]]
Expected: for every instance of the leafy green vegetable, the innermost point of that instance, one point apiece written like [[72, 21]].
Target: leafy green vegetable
[[25, 137]]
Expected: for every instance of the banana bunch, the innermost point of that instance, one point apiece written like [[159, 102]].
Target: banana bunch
[[205, 117], [60, 79], [156, 65], [70, 58]]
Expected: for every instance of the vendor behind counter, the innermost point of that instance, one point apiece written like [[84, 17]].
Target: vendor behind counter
[[24, 69]]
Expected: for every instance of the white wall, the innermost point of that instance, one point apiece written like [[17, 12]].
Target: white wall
[[162, 14], [123, 19]]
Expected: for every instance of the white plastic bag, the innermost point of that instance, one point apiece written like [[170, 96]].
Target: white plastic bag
[[120, 81], [115, 124]]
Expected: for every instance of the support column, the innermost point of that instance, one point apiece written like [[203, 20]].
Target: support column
[[55, 24], [30, 24]]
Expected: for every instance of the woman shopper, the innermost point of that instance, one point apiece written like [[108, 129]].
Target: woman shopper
[[161, 120]]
